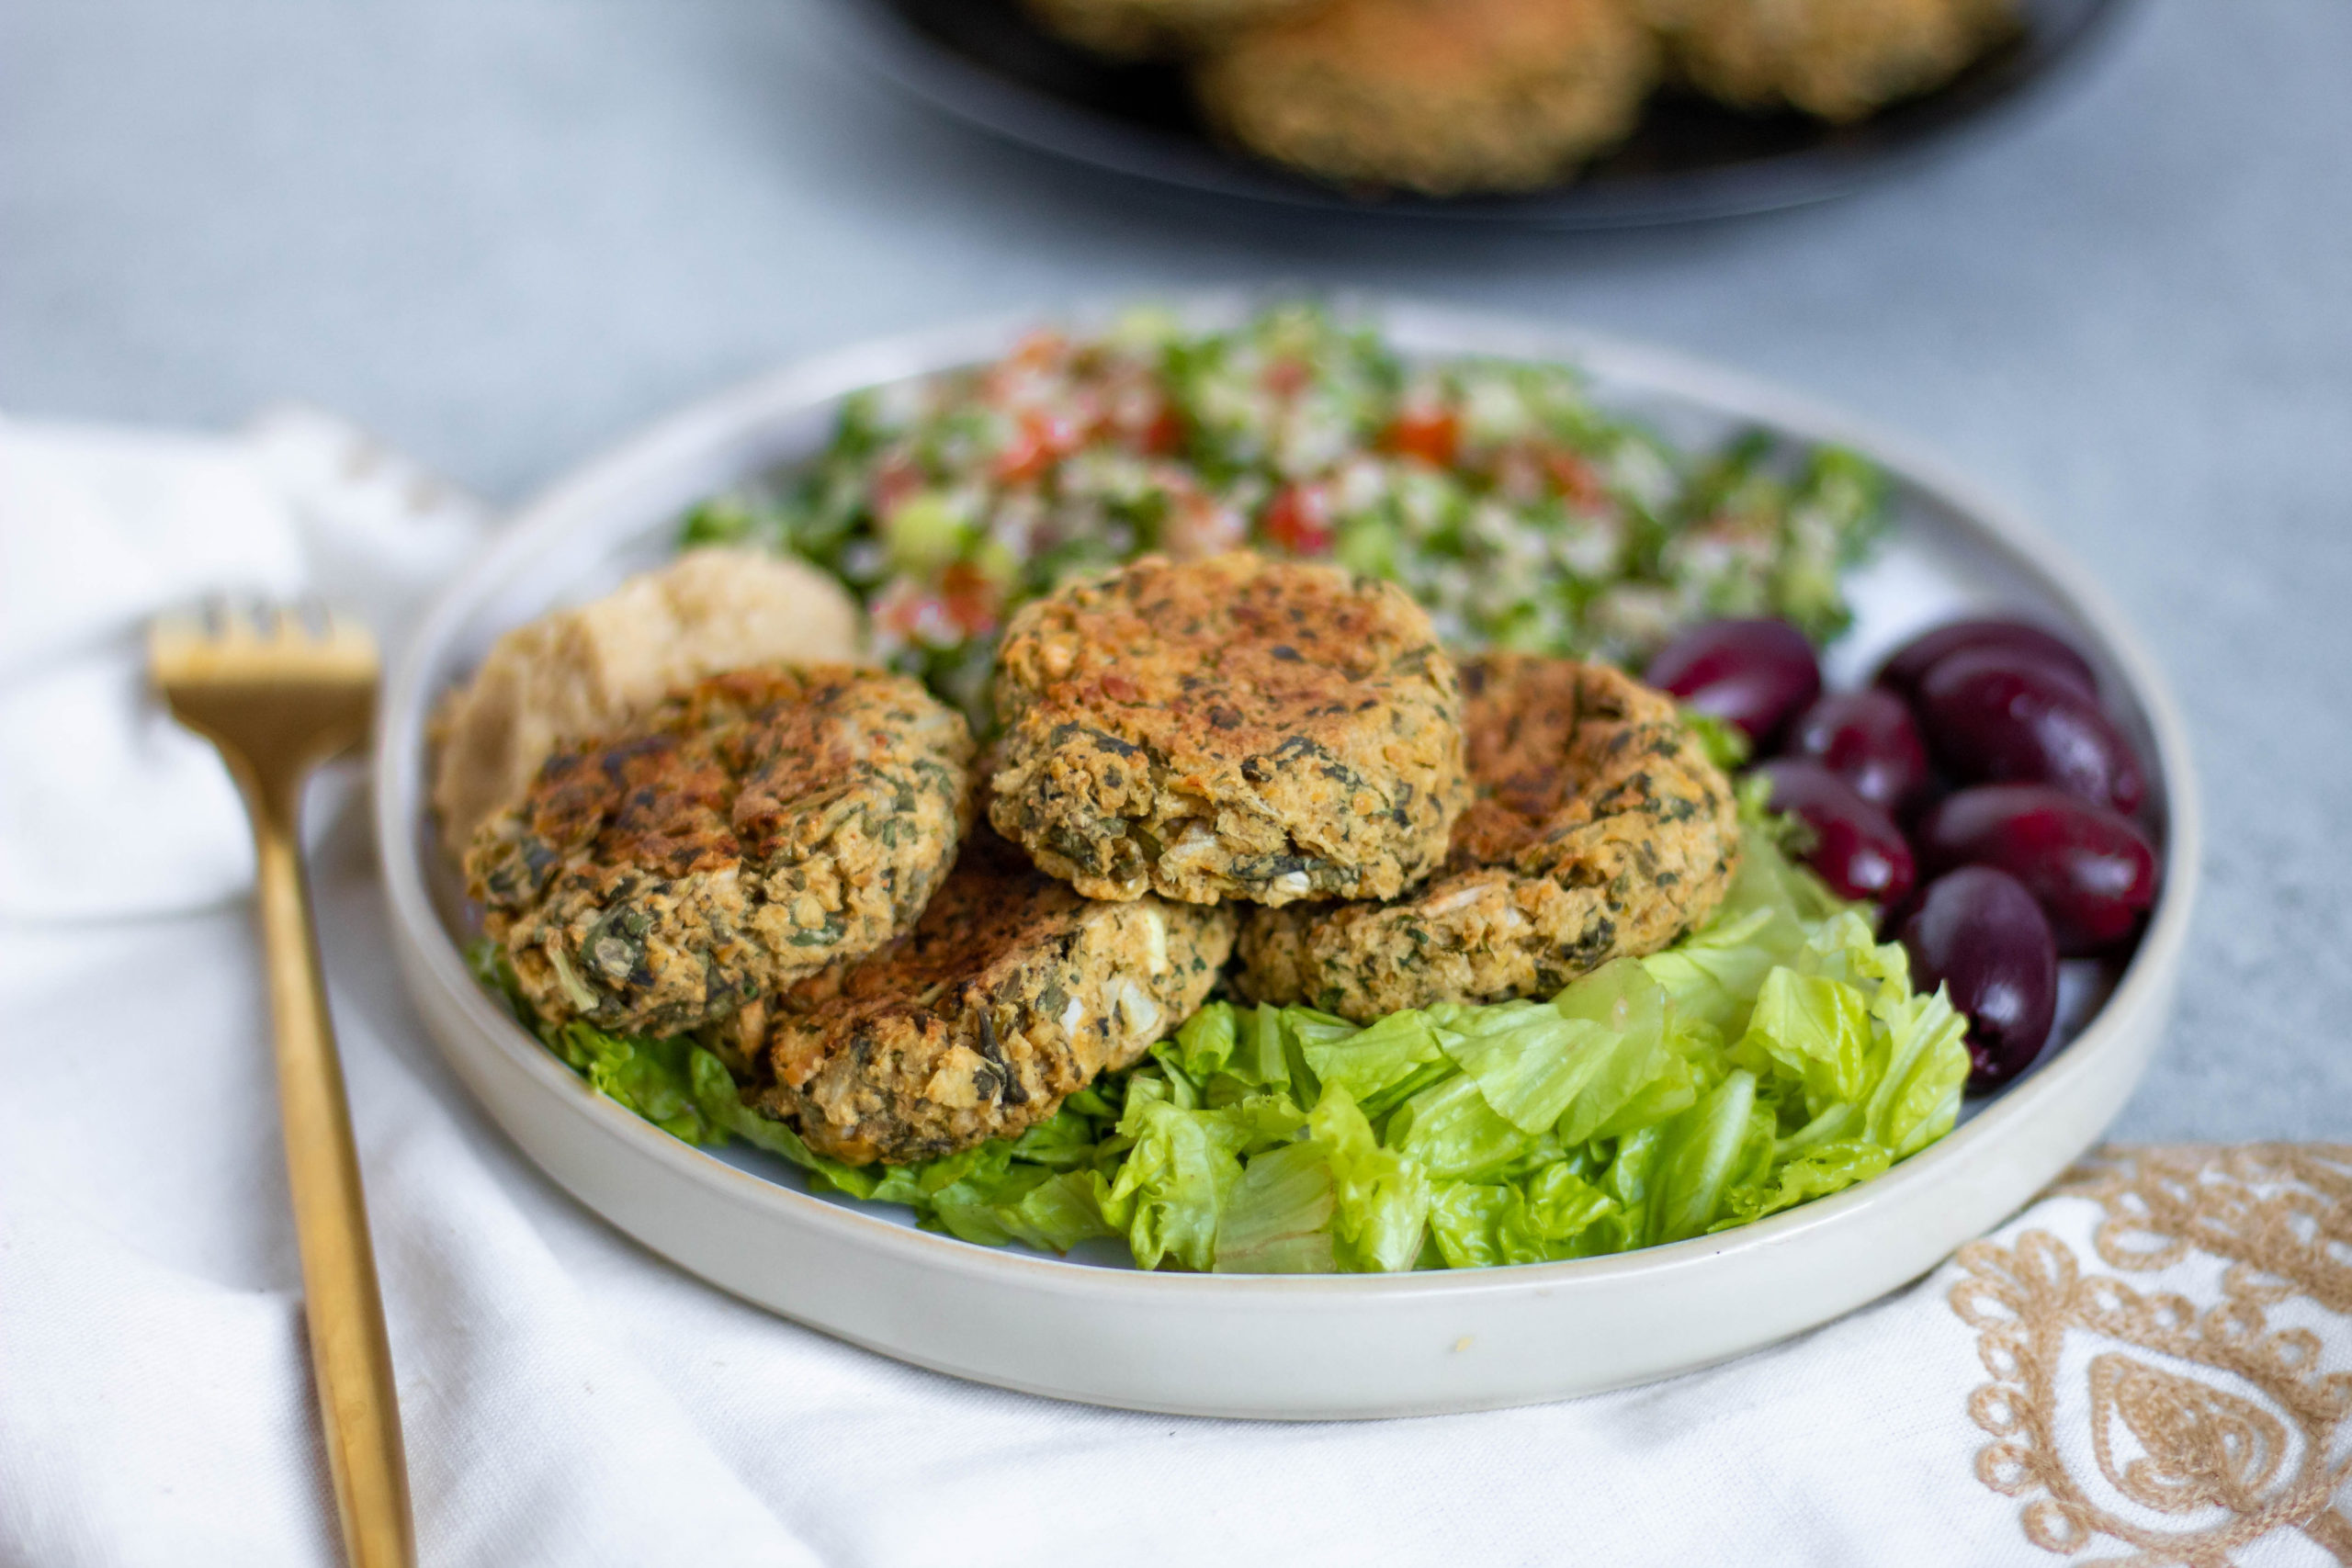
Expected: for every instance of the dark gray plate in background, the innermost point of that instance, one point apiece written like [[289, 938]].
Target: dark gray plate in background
[[984, 63]]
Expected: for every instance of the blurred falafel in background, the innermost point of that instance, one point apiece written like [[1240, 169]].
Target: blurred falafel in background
[[1449, 97], [1440, 97]]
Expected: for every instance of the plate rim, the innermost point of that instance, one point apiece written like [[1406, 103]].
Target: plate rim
[[734, 413]]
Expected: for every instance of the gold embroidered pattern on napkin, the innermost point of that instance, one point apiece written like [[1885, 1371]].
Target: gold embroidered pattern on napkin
[[2258, 1443]]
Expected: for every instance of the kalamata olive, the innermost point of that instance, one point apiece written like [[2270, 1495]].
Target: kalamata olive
[[2093, 872], [1909, 664], [1867, 739], [1993, 717], [1753, 673], [1858, 850], [1979, 932]]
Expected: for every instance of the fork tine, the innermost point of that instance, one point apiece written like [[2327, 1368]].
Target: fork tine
[[256, 639]]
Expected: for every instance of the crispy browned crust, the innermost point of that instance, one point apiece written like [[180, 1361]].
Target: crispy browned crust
[[1437, 95], [746, 832], [1600, 830], [1233, 727], [1011, 994]]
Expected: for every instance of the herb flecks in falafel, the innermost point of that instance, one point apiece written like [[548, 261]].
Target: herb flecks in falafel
[[748, 831], [1011, 993], [1601, 832], [1233, 727]]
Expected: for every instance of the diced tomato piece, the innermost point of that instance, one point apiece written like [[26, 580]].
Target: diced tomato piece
[[1039, 442], [1576, 478], [1299, 519], [970, 598], [1023, 458], [1286, 377], [1119, 689], [1432, 435], [1165, 436], [894, 482]]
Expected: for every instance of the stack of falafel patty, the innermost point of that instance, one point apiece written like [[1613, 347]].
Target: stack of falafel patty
[[904, 958]]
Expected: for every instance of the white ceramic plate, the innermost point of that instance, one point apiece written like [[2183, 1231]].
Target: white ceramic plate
[[1289, 1345]]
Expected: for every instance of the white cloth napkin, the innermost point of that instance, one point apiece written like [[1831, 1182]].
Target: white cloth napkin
[[107, 807], [569, 1399]]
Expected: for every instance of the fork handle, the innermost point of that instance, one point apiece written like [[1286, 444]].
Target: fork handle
[[350, 1356]]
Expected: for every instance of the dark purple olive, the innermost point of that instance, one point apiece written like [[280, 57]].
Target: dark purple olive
[[1909, 664], [1993, 717], [1856, 849], [1979, 932], [1753, 673], [1932, 795], [1868, 739], [2093, 872]]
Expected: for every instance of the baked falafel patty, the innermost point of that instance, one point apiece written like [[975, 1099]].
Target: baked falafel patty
[[1435, 96], [1011, 993], [1138, 29], [1837, 59], [1600, 830], [1233, 727], [747, 831]]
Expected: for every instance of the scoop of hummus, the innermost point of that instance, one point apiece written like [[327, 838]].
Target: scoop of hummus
[[583, 671]]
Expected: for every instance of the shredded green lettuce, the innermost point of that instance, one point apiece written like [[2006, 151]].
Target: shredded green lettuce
[[1778, 1056]]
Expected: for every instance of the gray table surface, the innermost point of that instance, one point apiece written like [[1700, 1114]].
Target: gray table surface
[[503, 234]]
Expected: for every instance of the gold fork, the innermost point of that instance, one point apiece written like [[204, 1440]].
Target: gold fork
[[279, 693]]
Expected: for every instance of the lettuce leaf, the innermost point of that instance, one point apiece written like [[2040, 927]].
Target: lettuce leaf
[[1279, 1219], [1814, 1172], [1722, 1142], [1631, 1034], [1053, 1211], [1555, 1215], [1205, 1044], [1815, 1030], [1527, 1061], [1364, 1062], [1923, 1068], [1770, 913], [1381, 1197], [1451, 1132], [1571, 1063], [1181, 1168]]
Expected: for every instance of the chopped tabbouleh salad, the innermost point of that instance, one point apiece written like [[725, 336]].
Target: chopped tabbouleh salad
[[1521, 514], [1706, 1077]]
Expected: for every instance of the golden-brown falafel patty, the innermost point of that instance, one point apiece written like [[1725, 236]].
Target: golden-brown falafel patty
[[1600, 830], [746, 832], [1233, 727], [1837, 59], [1011, 994], [1436, 95]]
